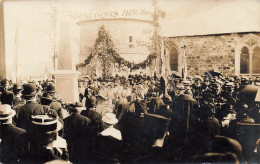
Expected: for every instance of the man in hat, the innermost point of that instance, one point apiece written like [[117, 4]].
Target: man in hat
[[17, 89], [54, 104], [7, 98], [45, 144], [31, 107], [12, 138], [77, 133]]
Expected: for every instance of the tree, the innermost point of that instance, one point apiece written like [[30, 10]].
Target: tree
[[104, 49], [156, 38]]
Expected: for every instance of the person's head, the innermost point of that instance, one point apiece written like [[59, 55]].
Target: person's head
[[180, 89], [29, 91], [91, 102], [7, 98], [44, 129], [155, 129], [77, 107], [6, 113], [109, 119], [46, 99], [17, 88], [50, 89]]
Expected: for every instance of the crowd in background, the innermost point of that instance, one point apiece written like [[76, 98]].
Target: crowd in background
[[138, 119]]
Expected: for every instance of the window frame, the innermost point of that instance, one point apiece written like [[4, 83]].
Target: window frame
[[250, 51]]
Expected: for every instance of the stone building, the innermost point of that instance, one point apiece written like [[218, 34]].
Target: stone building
[[223, 36], [229, 54]]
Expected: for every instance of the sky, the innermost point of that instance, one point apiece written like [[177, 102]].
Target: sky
[[28, 24]]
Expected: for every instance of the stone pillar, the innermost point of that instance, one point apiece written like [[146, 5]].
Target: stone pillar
[[2, 45], [66, 76]]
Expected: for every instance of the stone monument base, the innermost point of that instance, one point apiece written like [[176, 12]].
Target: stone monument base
[[66, 82]]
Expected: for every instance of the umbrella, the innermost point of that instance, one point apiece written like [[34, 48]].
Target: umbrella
[[211, 74], [250, 93]]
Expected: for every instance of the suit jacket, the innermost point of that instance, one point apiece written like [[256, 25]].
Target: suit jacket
[[77, 135], [58, 108], [96, 119], [13, 144], [24, 113]]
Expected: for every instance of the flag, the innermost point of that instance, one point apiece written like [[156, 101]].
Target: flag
[[184, 66]]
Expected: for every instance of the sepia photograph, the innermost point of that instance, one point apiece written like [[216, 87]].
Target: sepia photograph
[[130, 81]]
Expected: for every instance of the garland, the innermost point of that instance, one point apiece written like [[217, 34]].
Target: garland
[[122, 62], [104, 49]]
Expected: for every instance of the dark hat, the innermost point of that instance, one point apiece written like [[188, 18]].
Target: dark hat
[[47, 96], [76, 104], [187, 97], [46, 123], [17, 87], [50, 88], [7, 97], [29, 89]]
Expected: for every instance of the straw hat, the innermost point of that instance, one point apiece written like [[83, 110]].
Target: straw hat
[[47, 123], [6, 112], [110, 118]]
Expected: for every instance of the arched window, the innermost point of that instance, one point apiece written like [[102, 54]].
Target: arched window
[[256, 61], [250, 57], [174, 59], [244, 61]]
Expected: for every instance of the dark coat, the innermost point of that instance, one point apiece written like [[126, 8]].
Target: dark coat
[[58, 108], [24, 113], [13, 144], [77, 135]]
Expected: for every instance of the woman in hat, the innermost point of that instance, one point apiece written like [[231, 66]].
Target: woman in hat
[[13, 138], [110, 140]]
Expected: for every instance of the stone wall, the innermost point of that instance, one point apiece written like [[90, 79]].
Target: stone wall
[[212, 52], [120, 30]]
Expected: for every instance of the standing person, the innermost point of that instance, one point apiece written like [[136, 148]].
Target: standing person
[[44, 143], [31, 107], [13, 138], [17, 89], [110, 140], [54, 104], [77, 133]]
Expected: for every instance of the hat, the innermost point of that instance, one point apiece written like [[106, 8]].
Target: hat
[[29, 89], [110, 118], [187, 97], [17, 87], [47, 96], [50, 88], [186, 83], [76, 104], [6, 112], [180, 87], [46, 123], [7, 97]]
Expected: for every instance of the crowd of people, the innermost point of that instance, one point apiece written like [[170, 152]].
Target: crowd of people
[[138, 119]]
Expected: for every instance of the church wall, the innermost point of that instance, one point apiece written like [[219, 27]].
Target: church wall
[[213, 52]]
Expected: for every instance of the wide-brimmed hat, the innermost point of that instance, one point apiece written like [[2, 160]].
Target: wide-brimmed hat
[[6, 112], [47, 96], [110, 118], [17, 87], [50, 88], [29, 89], [46, 123], [180, 87]]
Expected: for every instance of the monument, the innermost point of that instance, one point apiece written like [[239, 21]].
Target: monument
[[66, 76]]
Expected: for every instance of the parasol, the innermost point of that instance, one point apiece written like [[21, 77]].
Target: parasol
[[211, 74], [250, 93]]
